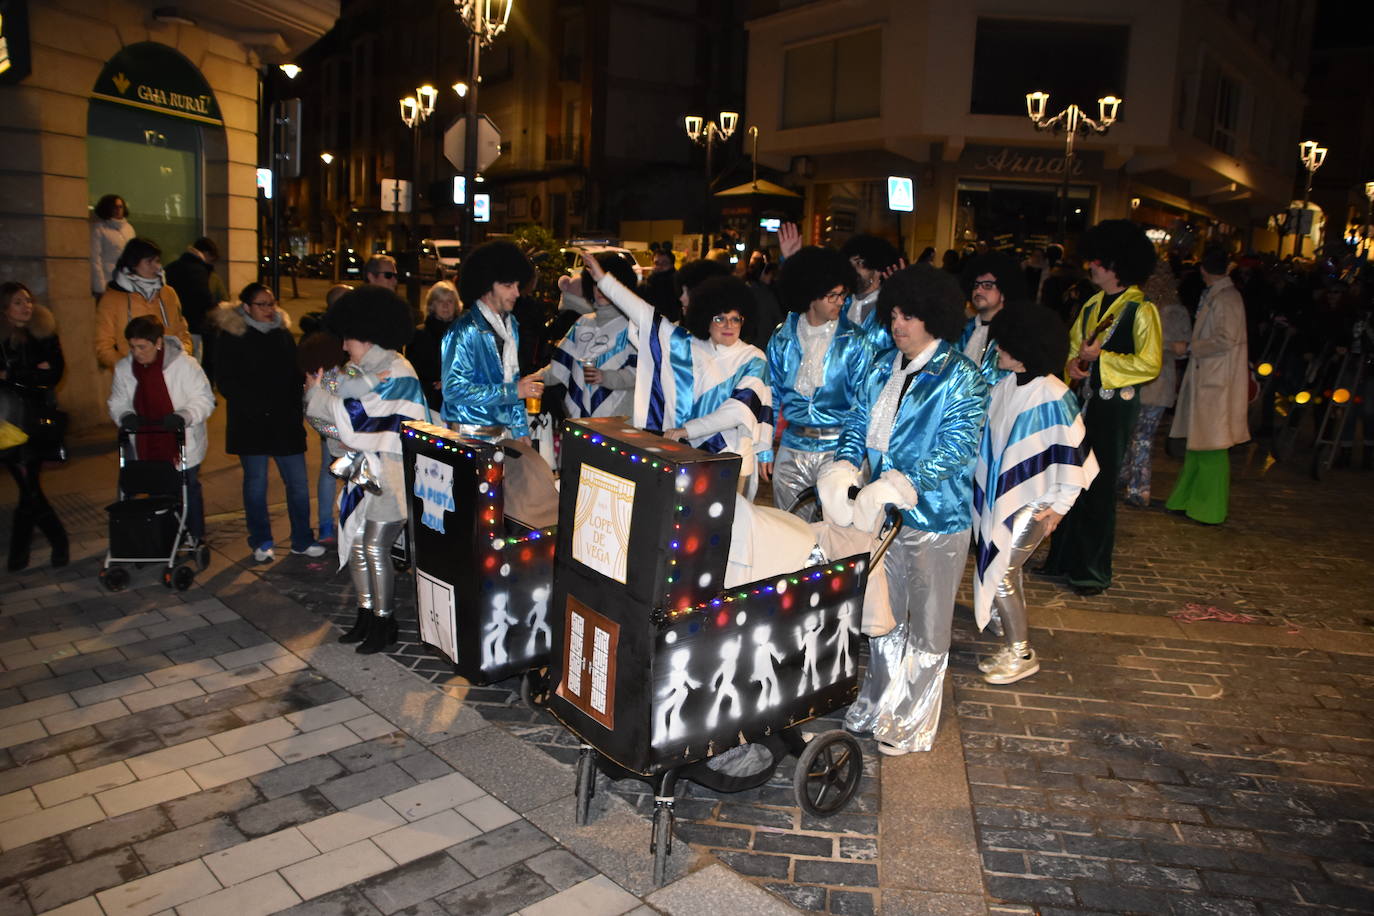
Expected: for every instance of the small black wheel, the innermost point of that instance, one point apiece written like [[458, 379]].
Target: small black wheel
[[586, 786], [661, 842], [115, 578], [167, 578], [828, 773], [183, 577], [534, 688], [202, 556]]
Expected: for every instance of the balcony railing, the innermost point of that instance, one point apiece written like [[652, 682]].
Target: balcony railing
[[562, 148]]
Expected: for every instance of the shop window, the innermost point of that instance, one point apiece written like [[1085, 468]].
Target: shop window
[[1075, 62], [1218, 109], [836, 80]]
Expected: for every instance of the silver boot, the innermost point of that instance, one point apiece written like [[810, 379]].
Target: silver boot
[[1013, 664]]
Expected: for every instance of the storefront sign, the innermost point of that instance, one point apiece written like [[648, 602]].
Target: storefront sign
[[1006, 162], [155, 77], [14, 41]]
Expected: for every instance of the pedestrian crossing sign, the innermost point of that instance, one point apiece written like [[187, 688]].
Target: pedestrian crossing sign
[[900, 194]]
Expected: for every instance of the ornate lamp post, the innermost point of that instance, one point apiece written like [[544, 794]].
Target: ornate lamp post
[[705, 133], [1073, 121], [485, 19], [1368, 204], [1311, 155], [415, 111]]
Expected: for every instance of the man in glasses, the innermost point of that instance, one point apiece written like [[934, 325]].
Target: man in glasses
[[990, 281], [380, 270]]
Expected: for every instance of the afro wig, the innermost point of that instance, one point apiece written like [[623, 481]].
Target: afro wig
[[875, 253], [1121, 246], [615, 264], [927, 293], [373, 314], [320, 350], [1010, 280], [716, 296], [810, 274], [694, 273], [1032, 334], [489, 264]]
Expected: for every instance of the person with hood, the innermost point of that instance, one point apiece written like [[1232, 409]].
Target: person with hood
[[916, 424], [990, 281], [817, 360], [363, 406], [1032, 464], [259, 378], [137, 290], [595, 362], [31, 365], [484, 393], [441, 309], [160, 389], [110, 232]]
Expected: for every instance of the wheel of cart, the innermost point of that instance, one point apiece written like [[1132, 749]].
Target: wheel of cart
[[733, 670], [480, 540]]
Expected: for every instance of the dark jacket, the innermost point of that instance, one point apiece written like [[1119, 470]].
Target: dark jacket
[[257, 374], [190, 276], [423, 354], [27, 386]]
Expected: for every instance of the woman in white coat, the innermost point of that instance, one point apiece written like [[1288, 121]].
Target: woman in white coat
[[159, 389], [110, 232], [1211, 409]]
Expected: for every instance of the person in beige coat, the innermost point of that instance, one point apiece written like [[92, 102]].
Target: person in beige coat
[[137, 290], [1211, 409]]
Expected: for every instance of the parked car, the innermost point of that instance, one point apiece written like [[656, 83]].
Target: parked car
[[439, 259], [575, 248]]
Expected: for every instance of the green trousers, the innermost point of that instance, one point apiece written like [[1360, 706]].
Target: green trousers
[[1203, 490]]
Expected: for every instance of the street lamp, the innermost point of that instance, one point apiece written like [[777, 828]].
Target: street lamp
[[1368, 203], [485, 20], [1311, 155], [336, 208], [1073, 121], [415, 111], [291, 70], [705, 133]]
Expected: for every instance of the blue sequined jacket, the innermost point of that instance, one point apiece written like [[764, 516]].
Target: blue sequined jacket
[[474, 390], [846, 363]]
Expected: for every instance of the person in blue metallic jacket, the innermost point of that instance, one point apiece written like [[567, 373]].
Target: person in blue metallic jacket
[[483, 393], [817, 359], [917, 422], [990, 281]]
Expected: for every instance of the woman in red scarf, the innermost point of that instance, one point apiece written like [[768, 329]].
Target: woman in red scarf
[[159, 389]]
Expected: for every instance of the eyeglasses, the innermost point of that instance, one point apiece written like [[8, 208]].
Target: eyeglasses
[[266, 303], [835, 295], [388, 274], [727, 320], [984, 284]]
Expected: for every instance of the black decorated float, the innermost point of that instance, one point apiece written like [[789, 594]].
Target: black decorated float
[[660, 668]]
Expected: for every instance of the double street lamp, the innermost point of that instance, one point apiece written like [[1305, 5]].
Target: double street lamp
[[485, 20], [1072, 121], [705, 133], [415, 111], [1311, 154]]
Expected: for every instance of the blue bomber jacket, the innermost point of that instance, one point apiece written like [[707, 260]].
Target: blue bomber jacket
[[475, 390]]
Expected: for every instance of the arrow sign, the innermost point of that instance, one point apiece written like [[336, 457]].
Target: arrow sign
[[488, 143]]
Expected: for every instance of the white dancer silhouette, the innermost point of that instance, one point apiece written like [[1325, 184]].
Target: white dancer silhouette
[[809, 641], [842, 659], [764, 657], [494, 642], [536, 620], [723, 682], [668, 717]]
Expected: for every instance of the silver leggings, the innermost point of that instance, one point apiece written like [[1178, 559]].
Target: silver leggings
[[1009, 602], [369, 563], [794, 471]]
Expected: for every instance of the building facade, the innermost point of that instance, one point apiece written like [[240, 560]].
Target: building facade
[[848, 92], [156, 104]]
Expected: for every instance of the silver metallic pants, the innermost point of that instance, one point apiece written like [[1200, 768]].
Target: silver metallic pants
[[899, 700], [1009, 601], [794, 471], [369, 564]]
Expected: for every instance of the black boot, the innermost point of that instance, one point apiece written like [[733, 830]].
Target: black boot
[[361, 627], [21, 535], [52, 529], [382, 635]]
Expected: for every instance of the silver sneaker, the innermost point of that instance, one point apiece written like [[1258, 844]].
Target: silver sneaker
[[1013, 667], [994, 660]]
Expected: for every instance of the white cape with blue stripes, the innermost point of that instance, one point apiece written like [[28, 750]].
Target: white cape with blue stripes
[[1032, 451]]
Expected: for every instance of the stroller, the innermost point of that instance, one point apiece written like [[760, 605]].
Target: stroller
[[148, 523]]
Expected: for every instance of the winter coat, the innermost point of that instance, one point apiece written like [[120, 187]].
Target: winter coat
[[117, 308], [108, 238], [188, 387], [193, 279], [20, 353], [1177, 326], [256, 372], [423, 354], [1212, 404]]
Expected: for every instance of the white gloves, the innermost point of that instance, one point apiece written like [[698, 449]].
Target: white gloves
[[870, 505], [832, 488]]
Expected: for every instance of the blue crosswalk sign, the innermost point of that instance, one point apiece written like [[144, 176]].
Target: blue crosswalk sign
[[900, 194]]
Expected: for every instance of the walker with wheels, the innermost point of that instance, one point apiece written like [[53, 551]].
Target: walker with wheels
[[666, 670]]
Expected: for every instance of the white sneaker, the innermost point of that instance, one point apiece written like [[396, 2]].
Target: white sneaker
[[314, 550], [263, 555], [1013, 668]]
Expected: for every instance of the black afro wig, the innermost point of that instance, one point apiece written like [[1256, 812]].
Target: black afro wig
[[373, 314], [694, 273], [1121, 246], [876, 253], [810, 274], [716, 296], [1032, 334], [1010, 280], [927, 293], [615, 264], [494, 262]]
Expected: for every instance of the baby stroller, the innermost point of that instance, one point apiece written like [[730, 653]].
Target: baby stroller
[[148, 523]]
